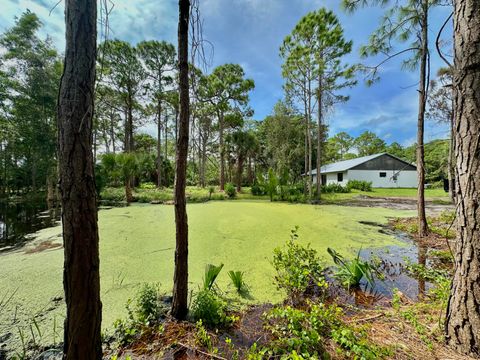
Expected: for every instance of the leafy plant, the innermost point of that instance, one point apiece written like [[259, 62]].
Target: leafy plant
[[335, 188], [351, 272], [210, 309], [211, 274], [147, 304], [230, 190], [238, 281], [298, 267], [211, 190], [359, 185]]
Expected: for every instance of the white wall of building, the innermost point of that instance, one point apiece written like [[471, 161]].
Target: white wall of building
[[332, 178], [405, 179]]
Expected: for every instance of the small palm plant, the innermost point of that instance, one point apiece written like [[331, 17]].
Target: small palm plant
[[211, 274], [238, 281], [351, 272]]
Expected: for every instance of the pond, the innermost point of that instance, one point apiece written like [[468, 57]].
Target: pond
[[20, 218]]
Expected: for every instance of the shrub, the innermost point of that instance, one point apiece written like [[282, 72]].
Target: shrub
[[230, 190], [359, 185], [210, 309], [147, 304], [298, 267], [257, 190], [211, 190], [351, 272], [334, 188], [147, 186]]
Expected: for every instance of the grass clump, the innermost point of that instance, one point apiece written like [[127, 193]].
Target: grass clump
[[238, 281], [211, 274]]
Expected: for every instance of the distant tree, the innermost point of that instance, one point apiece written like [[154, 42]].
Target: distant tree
[[404, 21], [281, 136], [180, 278], [367, 143], [341, 144], [462, 323], [145, 143], [30, 72], [127, 167], [82, 330], [440, 109], [396, 149], [159, 60], [227, 90], [313, 56], [244, 143], [122, 70]]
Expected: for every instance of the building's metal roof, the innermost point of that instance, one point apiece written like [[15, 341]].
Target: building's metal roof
[[348, 164]]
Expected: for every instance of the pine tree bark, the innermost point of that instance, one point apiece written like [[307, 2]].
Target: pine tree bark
[[180, 279], [422, 99], [159, 144], [319, 141], [81, 278], [463, 312], [222, 151]]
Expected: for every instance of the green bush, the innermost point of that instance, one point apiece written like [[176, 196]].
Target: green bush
[[147, 185], [257, 190], [334, 188], [298, 267], [230, 190], [359, 185], [147, 304], [210, 309]]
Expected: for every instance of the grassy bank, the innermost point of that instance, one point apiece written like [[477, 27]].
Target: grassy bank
[[137, 246], [198, 194]]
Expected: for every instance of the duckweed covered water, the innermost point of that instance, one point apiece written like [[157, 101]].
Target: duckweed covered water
[[137, 246]]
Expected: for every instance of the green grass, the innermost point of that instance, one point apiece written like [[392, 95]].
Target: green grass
[[198, 194], [137, 246]]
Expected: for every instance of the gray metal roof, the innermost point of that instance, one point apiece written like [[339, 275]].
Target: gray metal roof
[[346, 164]]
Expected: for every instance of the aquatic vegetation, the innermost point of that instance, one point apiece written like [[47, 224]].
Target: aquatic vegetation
[[351, 272], [211, 274]]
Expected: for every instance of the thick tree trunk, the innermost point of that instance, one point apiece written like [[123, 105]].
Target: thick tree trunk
[[222, 152], [180, 279], [422, 97], [77, 184], [159, 145], [463, 311]]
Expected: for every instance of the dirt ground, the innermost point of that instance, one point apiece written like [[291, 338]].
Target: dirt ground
[[433, 207]]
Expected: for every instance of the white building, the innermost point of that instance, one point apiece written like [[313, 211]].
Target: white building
[[383, 170]]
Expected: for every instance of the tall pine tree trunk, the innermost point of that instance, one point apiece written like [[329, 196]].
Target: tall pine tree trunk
[[81, 278], [319, 141], [159, 144], [422, 98], [180, 279], [222, 151], [451, 160], [463, 311]]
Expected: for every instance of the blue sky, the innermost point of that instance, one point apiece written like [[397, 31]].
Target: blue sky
[[249, 32]]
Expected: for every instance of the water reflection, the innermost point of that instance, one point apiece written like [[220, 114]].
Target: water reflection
[[20, 218]]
